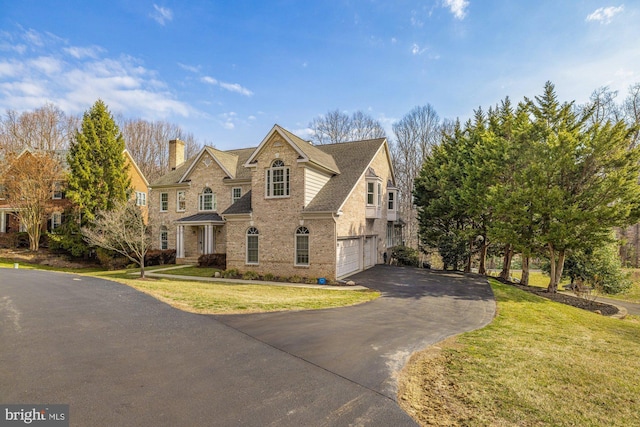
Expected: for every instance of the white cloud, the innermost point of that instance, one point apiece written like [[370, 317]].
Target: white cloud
[[604, 15], [209, 80], [84, 52], [27, 82], [417, 50], [457, 7], [190, 68], [235, 87], [161, 14]]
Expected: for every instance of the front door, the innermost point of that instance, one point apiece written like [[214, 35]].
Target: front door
[[201, 239]]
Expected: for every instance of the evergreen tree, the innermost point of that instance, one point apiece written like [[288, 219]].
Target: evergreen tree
[[98, 178]]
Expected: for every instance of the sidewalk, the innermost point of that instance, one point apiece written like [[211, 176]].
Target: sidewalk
[[155, 273]]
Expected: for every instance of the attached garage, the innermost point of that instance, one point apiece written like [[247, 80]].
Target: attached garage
[[369, 251], [348, 256]]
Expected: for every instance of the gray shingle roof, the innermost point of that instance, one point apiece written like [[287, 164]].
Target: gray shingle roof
[[315, 153], [241, 206], [352, 158], [202, 217]]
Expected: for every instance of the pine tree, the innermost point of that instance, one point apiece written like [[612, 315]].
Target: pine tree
[[98, 178]]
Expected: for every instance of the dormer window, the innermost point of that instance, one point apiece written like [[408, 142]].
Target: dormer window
[[277, 180], [207, 200]]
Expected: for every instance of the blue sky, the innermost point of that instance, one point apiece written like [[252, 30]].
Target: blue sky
[[226, 71]]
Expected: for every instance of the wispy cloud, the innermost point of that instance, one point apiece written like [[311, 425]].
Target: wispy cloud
[[235, 87], [457, 7], [190, 68], [231, 87], [49, 70], [161, 15], [604, 15]]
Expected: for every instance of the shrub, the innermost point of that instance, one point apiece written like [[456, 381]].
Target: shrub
[[232, 273], [250, 275], [160, 257], [213, 260], [110, 260], [311, 281], [405, 255], [295, 279], [269, 277]]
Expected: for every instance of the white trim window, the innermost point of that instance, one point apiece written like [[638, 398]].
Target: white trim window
[[371, 195], [164, 238], [207, 200], [236, 194], [302, 246], [277, 180], [252, 245], [58, 192], [56, 220], [141, 198], [391, 199], [164, 202], [181, 201]]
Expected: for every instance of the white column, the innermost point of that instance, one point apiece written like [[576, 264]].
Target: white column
[[180, 242], [3, 222], [209, 239]]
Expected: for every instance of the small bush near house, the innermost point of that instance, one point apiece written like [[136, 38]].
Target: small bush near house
[[160, 257], [250, 275], [269, 277], [405, 255], [213, 260], [311, 281], [295, 279], [110, 260], [232, 273]]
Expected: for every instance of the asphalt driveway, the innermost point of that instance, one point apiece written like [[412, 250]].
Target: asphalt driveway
[[119, 357]]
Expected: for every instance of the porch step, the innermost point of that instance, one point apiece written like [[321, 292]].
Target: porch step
[[187, 260]]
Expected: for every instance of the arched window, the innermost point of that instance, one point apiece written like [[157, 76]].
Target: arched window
[[164, 238], [207, 200], [302, 246], [277, 180], [252, 245]]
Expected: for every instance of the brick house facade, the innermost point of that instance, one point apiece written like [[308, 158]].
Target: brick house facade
[[9, 222], [285, 207]]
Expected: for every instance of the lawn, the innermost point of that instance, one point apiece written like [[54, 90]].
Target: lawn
[[220, 298], [537, 363]]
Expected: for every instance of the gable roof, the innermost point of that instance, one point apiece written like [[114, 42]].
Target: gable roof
[[353, 158], [231, 161], [307, 151], [241, 206]]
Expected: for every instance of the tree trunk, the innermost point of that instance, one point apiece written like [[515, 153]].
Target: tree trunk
[[524, 280], [483, 257], [506, 262], [556, 268], [467, 268]]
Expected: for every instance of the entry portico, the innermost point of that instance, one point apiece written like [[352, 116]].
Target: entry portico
[[205, 227]]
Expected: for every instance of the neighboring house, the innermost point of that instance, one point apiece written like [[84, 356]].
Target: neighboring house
[[286, 207], [9, 222]]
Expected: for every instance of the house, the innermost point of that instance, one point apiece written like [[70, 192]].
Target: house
[[285, 207], [9, 223]]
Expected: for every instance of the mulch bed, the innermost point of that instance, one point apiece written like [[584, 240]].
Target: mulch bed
[[574, 301]]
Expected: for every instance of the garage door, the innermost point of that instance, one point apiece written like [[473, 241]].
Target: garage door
[[348, 256], [369, 252]]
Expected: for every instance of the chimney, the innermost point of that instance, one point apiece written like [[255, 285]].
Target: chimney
[[176, 153]]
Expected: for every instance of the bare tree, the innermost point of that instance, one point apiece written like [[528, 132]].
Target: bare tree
[[336, 126], [148, 144], [631, 110], [46, 128], [29, 182], [603, 103], [122, 230], [415, 134]]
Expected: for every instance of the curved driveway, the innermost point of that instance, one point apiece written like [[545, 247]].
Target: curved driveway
[[119, 357]]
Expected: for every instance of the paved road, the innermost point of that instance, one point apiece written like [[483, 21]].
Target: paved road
[[119, 357], [632, 308]]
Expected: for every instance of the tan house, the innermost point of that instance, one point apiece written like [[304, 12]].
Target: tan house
[[285, 207], [9, 222]]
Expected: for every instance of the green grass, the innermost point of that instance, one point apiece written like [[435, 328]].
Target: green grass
[[226, 298], [191, 271], [219, 298], [538, 363]]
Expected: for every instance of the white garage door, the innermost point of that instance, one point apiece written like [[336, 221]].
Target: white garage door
[[369, 252], [348, 256]]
